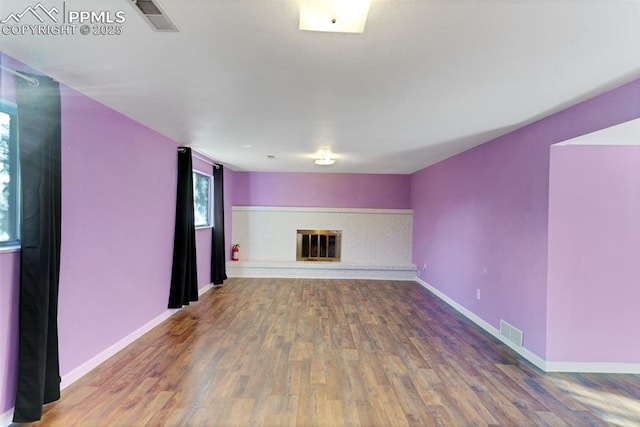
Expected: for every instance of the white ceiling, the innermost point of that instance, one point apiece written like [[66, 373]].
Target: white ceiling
[[427, 78], [627, 133]]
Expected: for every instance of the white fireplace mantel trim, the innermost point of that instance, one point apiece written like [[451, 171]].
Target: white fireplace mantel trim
[[319, 265], [323, 210]]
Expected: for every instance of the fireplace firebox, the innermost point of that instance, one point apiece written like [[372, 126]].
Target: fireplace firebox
[[318, 245]]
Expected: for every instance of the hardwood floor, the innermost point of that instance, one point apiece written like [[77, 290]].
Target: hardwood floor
[[278, 352]]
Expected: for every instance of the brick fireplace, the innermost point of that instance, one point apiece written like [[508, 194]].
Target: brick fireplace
[[322, 242]]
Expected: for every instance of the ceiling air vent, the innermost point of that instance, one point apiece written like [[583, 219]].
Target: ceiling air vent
[[156, 17]]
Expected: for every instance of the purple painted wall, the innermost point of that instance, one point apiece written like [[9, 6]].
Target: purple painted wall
[[118, 211], [594, 253], [322, 190], [229, 189], [480, 218], [9, 274]]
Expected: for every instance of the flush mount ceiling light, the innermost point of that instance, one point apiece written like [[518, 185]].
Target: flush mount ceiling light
[[324, 157], [326, 161], [339, 16]]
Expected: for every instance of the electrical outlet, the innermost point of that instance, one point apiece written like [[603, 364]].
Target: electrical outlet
[[418, 273], [424, 267], [478, 293]]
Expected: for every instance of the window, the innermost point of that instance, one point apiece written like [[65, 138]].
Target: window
[[202, 199], [9, 177]]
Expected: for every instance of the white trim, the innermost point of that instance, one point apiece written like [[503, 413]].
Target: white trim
[[522, 351], [203, 173], [597, 368], [6, 419], [101, 357], [77, 373], [322, 210], [9, 249], [582, 367], [206, 288], [204, 227], [86, 367], [319, 270], [319, 265], [209, 177]]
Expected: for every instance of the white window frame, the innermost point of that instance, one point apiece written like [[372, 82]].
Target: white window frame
[[12, 245], [209, 177]]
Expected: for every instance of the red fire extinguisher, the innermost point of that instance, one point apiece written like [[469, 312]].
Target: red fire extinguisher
[[235, 251]]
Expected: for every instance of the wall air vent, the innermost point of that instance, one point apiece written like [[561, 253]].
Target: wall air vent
[[156, 17], [511, 333]]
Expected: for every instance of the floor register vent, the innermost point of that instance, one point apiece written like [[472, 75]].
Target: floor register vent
[[511, 333]]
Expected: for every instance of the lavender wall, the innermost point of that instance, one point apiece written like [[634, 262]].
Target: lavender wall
[[322, 190], [118, 210], [229, 189], [480, 218], [9, 271], [594, 249]]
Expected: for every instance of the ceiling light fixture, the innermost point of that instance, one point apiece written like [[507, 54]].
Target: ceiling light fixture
[[338, 16], [325, 161], [324, 157]]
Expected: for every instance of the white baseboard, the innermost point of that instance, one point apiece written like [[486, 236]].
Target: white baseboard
[[583, 367], [522, 351], [205, 289], [6, 418], [75, 374], [101, 357], [595, 368]]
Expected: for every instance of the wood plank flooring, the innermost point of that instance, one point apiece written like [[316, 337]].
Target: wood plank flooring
[[284, 352]]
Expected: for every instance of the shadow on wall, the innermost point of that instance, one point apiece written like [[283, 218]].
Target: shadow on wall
[[432, 154]]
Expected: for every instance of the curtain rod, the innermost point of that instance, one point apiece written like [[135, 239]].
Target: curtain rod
[[201, 157], [33, 82]]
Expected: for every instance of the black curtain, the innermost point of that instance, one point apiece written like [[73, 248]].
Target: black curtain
[[39, 141], [184, 279], [218, 258]]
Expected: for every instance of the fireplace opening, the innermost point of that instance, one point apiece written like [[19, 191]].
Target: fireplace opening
[[318, 245]]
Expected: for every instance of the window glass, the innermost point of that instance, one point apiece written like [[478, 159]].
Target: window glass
[[9, 174], [202, 199]]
